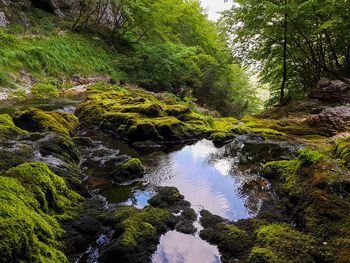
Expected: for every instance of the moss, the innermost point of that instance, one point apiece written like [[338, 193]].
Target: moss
[[140, 118], [131, 169], [276, 126], [308, 157], [28, 234], [267, 132], [342, 151], [225, 124], [221, 137], [281, 243], [281, 169], [262, 255], [141, 223], [8, 129], [48, 189], [61, 147], [36, 120]]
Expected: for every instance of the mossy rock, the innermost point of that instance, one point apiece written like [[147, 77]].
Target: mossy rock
[[140, 119], [220, 138], [48, 189], [61, 147], [169, 198], [231, 241], [130, 170], [281, 243], [12, 155], [31, 200], [8, 129], [138, 233], [36, 120]]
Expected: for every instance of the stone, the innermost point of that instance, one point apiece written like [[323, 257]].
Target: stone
[[332, 91], [3, 19], [331, 120]]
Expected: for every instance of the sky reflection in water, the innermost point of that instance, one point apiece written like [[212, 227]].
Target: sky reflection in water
[[175, 247], [206, 182]]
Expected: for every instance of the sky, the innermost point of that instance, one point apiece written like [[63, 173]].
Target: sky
[[215, 6]]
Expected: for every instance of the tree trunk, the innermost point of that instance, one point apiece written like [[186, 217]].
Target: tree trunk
[[284, 78]]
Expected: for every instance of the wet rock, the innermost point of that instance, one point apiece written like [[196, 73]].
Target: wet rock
[[13, 154], [83, 141], [332, 91], [145, 145], [331, 120], [8, 129], [130, 170], [3, 19], [169, 198], [36, 120], [137, 234], [61, 147], [136, 117], [257, 149], [232, 241]]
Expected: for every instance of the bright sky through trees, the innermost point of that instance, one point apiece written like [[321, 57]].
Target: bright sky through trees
[[215, 6]]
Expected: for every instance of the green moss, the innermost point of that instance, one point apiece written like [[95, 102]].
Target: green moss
[[36, 120], [267, 132], [225, 124], [138, 117], [8, 129], [133, 167], [342, 151], [308, 157], [61, 147], [140, 223], [262, 255], [281, 169], [48, 189], [221, 137], [281, 243], [29, 234]]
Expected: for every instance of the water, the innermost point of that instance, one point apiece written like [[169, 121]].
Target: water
[[210, 178], [176, 247], [208, 182]]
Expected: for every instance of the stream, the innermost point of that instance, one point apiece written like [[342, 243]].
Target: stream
[[225, 181]]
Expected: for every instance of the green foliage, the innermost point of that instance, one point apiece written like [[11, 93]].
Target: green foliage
[[44, 90], [285, 39]]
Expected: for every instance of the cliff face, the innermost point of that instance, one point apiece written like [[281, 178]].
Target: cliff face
[[61, 8]]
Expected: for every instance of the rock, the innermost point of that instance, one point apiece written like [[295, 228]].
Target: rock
[[136, 117], [331, 120], [169, 198], [3, 19], [137, 234], [83, 141], [36, 120], [145, 145], [130, 170], [332, 91]]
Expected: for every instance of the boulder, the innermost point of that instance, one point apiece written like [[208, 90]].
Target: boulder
[[332, 91], [331, 120]]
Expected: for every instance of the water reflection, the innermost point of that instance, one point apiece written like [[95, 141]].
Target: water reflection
[[175, 247], [208, 180]]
